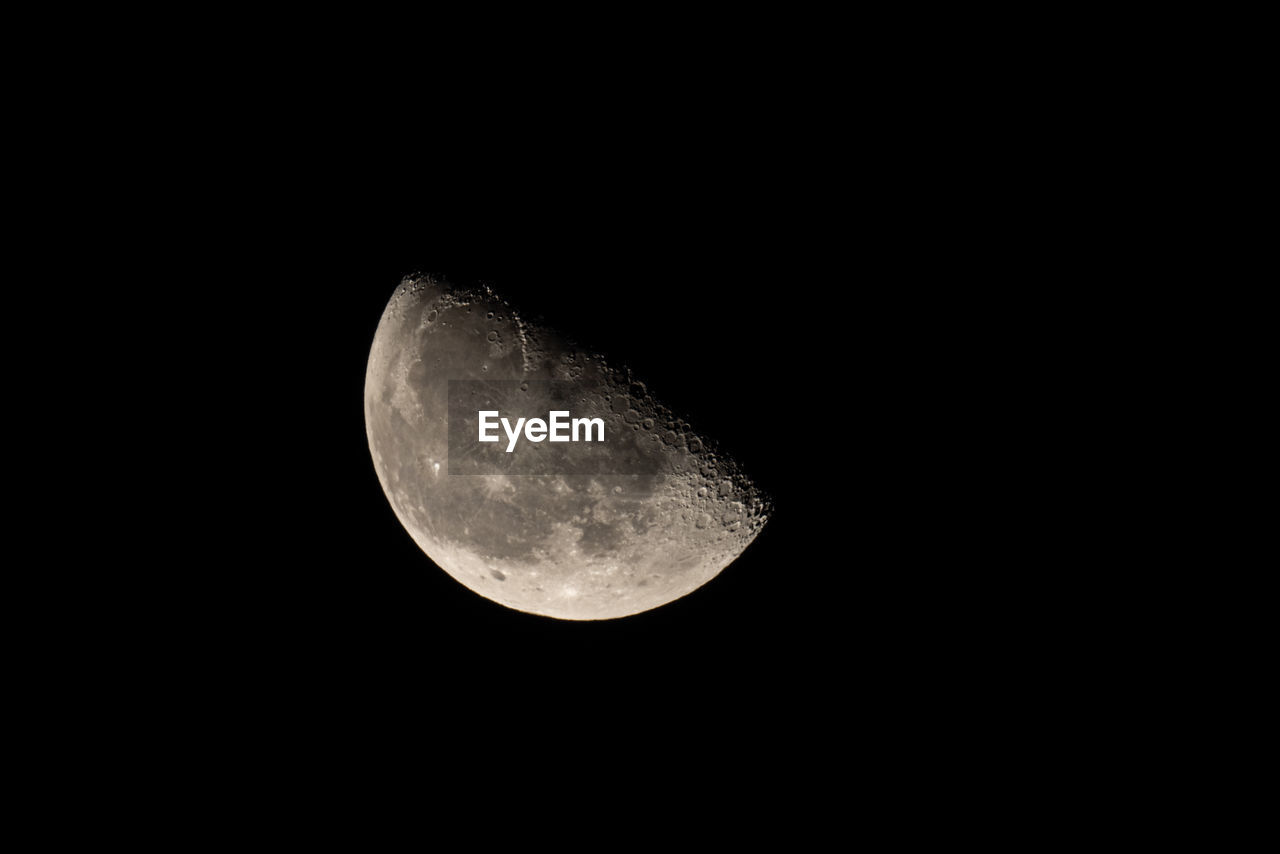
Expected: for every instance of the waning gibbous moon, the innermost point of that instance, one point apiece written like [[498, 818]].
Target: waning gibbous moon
[[571, 546]]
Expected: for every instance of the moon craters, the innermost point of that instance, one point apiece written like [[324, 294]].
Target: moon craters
[[564, 545]]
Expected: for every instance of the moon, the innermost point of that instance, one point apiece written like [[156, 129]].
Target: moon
[[574, 546]]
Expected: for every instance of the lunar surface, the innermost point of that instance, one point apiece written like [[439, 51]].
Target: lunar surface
[[575, 543]]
